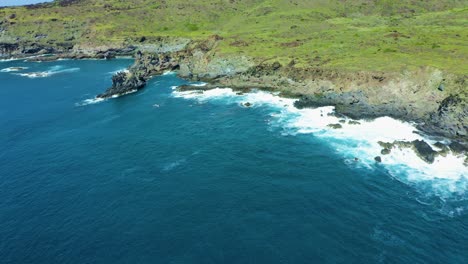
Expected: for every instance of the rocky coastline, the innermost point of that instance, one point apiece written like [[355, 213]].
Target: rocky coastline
[[425, 97]]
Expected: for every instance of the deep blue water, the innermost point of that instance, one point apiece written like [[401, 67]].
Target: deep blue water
[[123, 181]]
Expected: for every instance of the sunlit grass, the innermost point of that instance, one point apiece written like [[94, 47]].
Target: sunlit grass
[[351, 35]]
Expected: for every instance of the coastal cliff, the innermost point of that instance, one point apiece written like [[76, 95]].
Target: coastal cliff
[[427, 96], [366, 67]]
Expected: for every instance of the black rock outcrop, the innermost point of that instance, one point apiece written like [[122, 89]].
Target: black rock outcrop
[[145, 67], [123, 83], [424, 151]]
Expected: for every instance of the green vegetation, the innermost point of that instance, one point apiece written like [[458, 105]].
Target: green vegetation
[[347, 35]]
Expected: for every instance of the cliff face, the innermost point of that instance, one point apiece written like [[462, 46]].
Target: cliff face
[[194, 60], [430, 97], [434, 99]]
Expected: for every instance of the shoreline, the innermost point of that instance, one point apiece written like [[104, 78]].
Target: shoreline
[[438, 147], [197, 62]]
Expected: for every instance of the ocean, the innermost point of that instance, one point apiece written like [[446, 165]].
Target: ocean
[[161, 176]]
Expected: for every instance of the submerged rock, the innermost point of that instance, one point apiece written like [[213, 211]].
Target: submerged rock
[[335, 126], [385, 151], [458, 148], [247, 104], [420, 147], [378, 159], [424, 151], [444, 150], [386, 145], [187, 87], [352, 122]]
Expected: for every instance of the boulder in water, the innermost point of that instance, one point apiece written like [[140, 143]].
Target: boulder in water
[[424, 151], [457, 147], [385, 151], [123, 83], [335, 126]]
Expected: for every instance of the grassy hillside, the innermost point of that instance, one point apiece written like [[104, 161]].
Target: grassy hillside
[[340, 34]]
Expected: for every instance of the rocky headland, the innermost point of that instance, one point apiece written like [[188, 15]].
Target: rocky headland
[[427, 96], [423, 96]]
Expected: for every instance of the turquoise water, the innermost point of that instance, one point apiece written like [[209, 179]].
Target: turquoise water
[[159, 177]]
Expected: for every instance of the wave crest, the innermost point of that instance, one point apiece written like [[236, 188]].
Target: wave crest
[[355, 138], [52, 71]]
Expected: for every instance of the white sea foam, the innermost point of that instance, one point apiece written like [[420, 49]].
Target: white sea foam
[[198, 84], [58, 69], [90, 101], [129, 92], [7, 60], [16, 59], [13, 69], [23, 58], [34, 74], [169, 73], [447, 175], [96, 100], [120, 70]]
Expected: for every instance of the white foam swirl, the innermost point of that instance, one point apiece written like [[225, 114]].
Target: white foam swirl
[[58, 69], [447, 175], [90, 101], [13, 69]]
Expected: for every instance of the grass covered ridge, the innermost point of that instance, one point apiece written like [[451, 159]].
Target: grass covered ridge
[[347, 35]]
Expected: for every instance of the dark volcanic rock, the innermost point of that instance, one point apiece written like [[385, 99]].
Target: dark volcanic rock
[[450, 119], [335, 126], [385, 151], [420, 147], [123, 83], [378, 159], [351, 104], [386, 145], [6, 49], [187, 87], [145, 67], [458, 148], [444, 150], [424, 151]]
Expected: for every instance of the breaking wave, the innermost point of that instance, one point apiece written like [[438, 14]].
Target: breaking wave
[[52, 71], [119, 70], [90, 101], [169, 73], [356, 140], [96, 100], [13, 69]]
